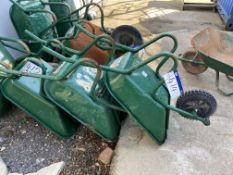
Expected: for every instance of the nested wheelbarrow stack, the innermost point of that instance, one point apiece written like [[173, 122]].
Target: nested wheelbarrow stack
[[91, 75]]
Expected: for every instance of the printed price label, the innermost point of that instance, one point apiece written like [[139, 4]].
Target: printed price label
[[173, 83], [30, 67]]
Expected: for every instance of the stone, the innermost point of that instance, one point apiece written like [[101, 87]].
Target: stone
[[3, 168], [106, 156], [2, 148], [54, 169], [81, 149]]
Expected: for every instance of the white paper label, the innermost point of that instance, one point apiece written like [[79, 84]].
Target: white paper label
[[173, 83], [30, 67]]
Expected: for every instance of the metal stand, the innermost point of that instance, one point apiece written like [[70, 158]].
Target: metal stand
[[218, 88]]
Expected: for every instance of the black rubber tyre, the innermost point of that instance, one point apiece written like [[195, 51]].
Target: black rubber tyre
[[193, 68], [127, 35], [197, 100]]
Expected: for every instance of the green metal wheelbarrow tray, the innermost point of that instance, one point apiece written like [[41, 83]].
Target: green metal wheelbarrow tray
[[131, 82], [213, 49]]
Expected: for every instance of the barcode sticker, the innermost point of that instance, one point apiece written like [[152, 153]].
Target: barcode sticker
[[30, 67], [173, 83]]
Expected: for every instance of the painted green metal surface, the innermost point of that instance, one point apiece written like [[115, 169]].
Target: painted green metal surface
[[27, 19], [70, 3], [217, 64], [62, 11], [27, 93], [134, 92], [73, 95]]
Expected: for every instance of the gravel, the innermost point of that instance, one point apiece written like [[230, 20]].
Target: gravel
[[26, 146]]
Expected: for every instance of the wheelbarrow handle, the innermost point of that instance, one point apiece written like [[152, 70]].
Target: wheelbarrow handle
[[166, 56], [135, 50], [87, 6], [148, 43], [82, 29], [18, 41], [56, 76], [104, 38], [67, 49]]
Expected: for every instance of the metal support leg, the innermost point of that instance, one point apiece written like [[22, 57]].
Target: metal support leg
[[218, 88]]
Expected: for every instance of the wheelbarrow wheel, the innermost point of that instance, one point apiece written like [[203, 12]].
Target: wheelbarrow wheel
[[127, 35], [193, 68], [201, 102]]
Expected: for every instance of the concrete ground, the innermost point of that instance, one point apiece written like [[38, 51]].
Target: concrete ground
[[191, 148]]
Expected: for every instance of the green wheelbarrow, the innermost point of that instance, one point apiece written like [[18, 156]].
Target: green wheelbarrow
[[213, 49], [138, 89]]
